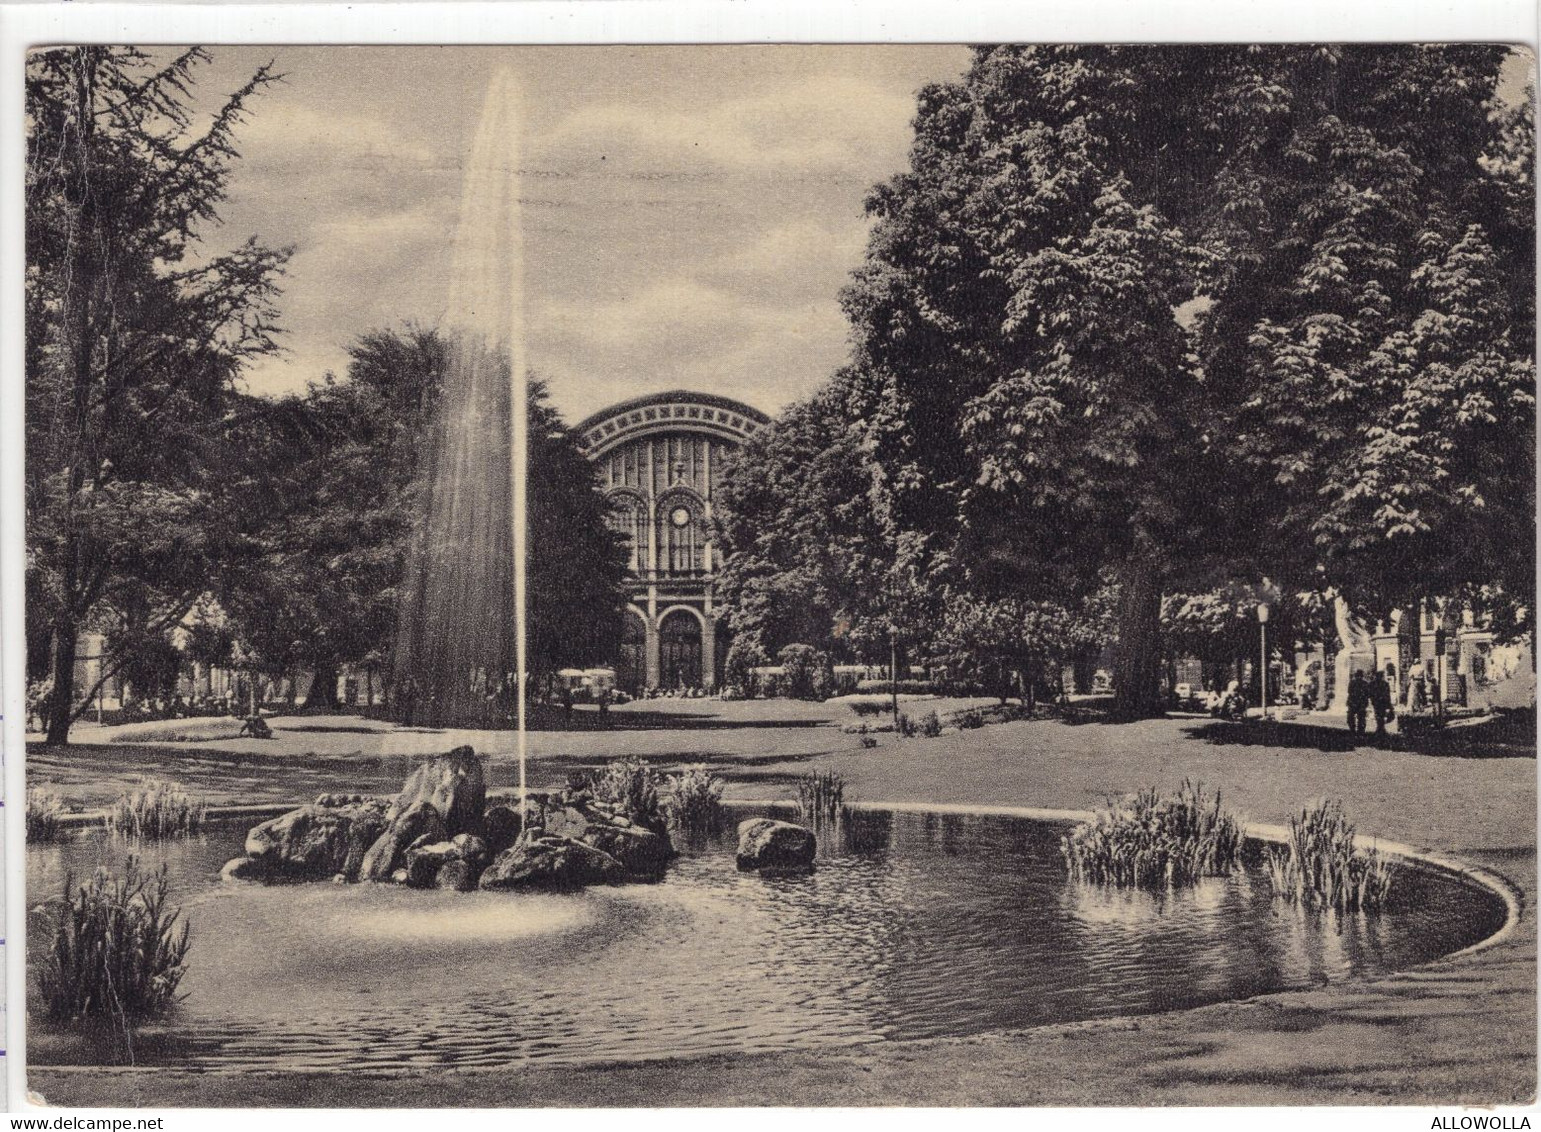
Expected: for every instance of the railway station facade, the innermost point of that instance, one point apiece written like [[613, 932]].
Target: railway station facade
[[660, 458]]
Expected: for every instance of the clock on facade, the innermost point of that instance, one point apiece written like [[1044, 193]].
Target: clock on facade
[[680, 516]]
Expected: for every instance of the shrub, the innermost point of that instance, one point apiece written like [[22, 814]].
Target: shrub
[[1148, 840], [156, 809], [45, 814], [200, 730], [930, 725], [1319, 867], [807, 673], [115, 951], [744, 656], [905, 726], [868, 742], [906, 687], [694, 800], [820, 795], [970, 719], [633, 785], [869, 707]]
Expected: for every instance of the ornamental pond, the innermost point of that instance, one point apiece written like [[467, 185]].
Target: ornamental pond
[[912, 925]]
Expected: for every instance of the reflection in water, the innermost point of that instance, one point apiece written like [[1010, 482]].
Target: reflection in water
[[911, 926]]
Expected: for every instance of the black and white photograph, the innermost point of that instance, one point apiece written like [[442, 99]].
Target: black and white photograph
[[778, 575]]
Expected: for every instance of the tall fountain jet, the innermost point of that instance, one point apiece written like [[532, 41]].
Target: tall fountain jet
[[460, 654]]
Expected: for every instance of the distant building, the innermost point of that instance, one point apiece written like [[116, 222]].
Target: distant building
[[1475, 671], [660, 457]]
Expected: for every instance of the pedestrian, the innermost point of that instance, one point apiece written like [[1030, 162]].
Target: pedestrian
[[1358, 702], [1380, 700]]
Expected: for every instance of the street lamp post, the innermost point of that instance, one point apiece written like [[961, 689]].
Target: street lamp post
[[1439, 674], [1262, 672]]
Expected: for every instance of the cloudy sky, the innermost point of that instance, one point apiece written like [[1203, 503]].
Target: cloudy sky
[[690, 214]]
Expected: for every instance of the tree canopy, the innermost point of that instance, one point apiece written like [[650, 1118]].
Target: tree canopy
[[136, 336], [1190, 315]]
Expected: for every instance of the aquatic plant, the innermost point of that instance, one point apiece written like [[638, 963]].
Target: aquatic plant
[[820, 795], [1320, 867], [1150, 840], [45, 814], [115, 952], [155, 810], [633, 785], [694, 800]]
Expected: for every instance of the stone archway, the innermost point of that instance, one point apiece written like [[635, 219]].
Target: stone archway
[[680, 645]]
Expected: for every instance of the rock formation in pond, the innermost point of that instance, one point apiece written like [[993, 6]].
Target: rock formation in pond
[[452, 784], [767, 845], [418, 824], [438, 832], [316, 842], [573, 839]]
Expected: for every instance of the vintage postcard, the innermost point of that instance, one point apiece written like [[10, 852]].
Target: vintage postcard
[[662, 576]]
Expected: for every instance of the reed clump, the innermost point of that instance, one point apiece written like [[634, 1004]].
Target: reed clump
[[45, 814], [693, 799], [633, 785], [154, 811], [1151, 840], [116, 952], [820, 795], [1320, 867]]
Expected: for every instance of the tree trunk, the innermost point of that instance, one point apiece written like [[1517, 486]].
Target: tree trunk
[[323, 688], [61, 699], [1137, 659]]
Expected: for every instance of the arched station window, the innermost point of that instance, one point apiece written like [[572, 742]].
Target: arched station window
[[681, 535], [628, 515]]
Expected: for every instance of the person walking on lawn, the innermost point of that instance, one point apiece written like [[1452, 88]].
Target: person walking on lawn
[[1380, 700], [1358, 702]]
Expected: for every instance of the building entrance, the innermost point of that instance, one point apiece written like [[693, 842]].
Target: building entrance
[[679, 650]]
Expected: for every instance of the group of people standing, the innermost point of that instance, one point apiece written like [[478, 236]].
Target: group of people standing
[[1366, 694]]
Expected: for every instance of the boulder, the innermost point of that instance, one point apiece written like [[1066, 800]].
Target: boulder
[[577, 816], [418, 821], [316, 842], [452, 784], [457, 875], [767, 844], [540, 861], [245, 868], [641, 852], [501, 826], [425, 861]]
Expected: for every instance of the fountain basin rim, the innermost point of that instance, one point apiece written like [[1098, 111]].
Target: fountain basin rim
[[1410, 855]]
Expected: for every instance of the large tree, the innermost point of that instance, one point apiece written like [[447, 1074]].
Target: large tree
[[577, 562], [802, 520], [342, 471], [136, 335], [1168, 310]]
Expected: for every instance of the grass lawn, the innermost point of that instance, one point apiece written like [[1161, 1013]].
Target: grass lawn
[[1458, 1030]]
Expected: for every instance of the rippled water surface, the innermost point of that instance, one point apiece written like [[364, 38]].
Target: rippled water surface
[[912, 926]]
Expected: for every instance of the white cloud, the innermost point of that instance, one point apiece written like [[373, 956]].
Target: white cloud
[[820, 124]]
